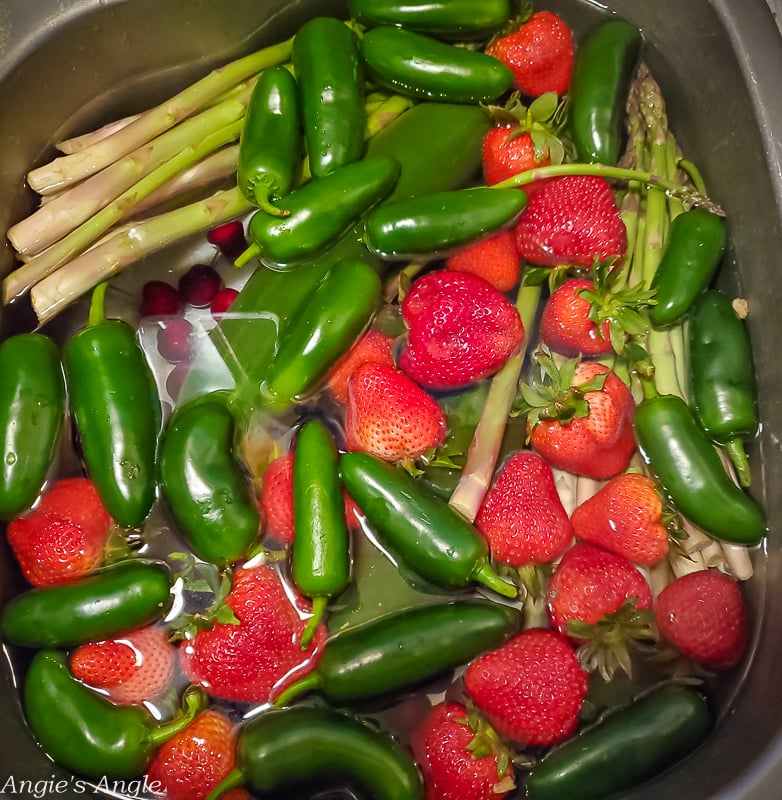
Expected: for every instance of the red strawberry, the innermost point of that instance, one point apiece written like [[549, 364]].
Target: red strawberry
[[571, 220], [565, 325], [189, 765], [531, 688], [590, 317], [277, 500], [133, 668], [390, 416], [255, 659], [495, 259], [540, 53], [509, 150], [703, 615], [64, 537], [626, 517], [602, 601], [457, 763], [461, 330], [522, 516], [374, 347], [582, 421], [590, 583]]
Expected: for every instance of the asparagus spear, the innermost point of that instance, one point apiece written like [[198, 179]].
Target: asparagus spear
[[127, 245], [69, 169], [485, 447], [36, 269], [70, 209]]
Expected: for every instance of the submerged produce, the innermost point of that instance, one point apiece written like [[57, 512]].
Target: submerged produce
[[429, 497]]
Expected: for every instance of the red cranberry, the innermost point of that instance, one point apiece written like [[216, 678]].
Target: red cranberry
[[175, 340], [222, 301], [159, 299], [228, 238], [199, 285], [175, 380]]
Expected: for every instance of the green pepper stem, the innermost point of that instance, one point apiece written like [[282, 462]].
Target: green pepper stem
[[193, 701], [233, 780], [308, 683], [97, 313], [248, 255], [261, 193], [319, 606], [735, 449], [484, 574]]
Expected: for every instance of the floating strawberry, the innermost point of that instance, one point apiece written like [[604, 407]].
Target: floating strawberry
[[530, 689], [495, 259], [256, 656], [522, 516], [572, 220], [627, 517], [461, 330], [602, 601], [64, 537], [374, 346], [461, 758], [703, 615], [189, 765], [131, 669], [390, 416], [276, 500], [580, 418], [540, 53]]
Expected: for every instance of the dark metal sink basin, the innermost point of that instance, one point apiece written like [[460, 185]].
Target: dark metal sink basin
[[68, 66]]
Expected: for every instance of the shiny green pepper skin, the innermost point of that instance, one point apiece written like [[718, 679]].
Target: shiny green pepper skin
[[32, 410], [206, 488], [110, 601], [419, 66], [116, 410], [85, 732], [313, 749]]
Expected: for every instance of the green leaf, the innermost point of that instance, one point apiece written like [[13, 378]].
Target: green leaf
[[542, 108], [225, 616], [536, 276], [617, 337]]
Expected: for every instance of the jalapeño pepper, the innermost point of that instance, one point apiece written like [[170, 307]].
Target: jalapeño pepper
[[402, 650], [321, 544], [327, 66], [270, 303], [87, 733], [111, 601], [420, 66], [116, 410], [625, 748], [340, 307], [604, 64], [204, 485], [438, 223], [432, 539], [270, 147], [687, 465], [722, 377], [459, 20], [32, 409], [320, 212], [690, 260], [317, 748]]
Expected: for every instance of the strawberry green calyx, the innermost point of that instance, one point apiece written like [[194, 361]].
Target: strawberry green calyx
[[555, 397], [486, 742], [619, 307], [608, 642]]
